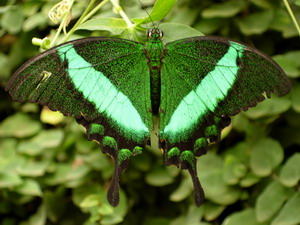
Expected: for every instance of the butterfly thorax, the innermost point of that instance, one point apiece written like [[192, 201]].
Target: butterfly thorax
[[154, 49]]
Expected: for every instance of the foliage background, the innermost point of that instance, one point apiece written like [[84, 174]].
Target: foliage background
[[51, 174]]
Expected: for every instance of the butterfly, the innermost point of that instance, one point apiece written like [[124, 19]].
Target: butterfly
[[116, 88]]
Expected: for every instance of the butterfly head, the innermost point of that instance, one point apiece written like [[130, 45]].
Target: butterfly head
[[155, 33]]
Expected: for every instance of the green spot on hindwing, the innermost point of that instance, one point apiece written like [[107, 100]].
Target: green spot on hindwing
[[110, 142], [137, 150], [189, 157], [173, 152], [211, 131], [123, 154], [96, 129], [200, 144]]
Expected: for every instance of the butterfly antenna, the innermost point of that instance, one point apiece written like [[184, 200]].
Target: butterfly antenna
[[147, 13]]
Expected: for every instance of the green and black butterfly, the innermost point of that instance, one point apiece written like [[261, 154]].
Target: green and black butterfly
[[115, 87]]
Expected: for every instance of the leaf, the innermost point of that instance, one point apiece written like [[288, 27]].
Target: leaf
[[160, 10], [269, 107], [289, 63], [234, 170], [212, 211], [290, 172], [159, 176], [45, 139], [209, 26], [256, 23], [114, 25], [55, 211], [245, 217], [210, 172], [271, 200], [249, 180], [91, 201], [184, 190], [29, 187], [295, 93], [8, 180], [19, 125], [51, 117], [40, 217], [67, 174], [266, 155], [175, 31], [224, 10], [12, 20], [33, 21], [289, 215]]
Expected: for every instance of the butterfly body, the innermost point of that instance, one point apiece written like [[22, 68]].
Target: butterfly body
[[114, 87]]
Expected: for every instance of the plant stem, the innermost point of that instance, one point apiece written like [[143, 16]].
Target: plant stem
[[61, 26], [292, 15], [122, 13], [79, 21]]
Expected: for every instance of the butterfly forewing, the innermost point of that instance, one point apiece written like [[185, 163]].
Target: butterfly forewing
[[203, 77], [97, 79]]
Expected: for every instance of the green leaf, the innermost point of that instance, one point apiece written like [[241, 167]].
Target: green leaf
[[160, 10], [262, 3], [266, 155], [9, 159], [67, 174], [209, 26], [114, 25], [184, 190], [210, 172], [245, 217], [282, 23], [8, 180], [224, 10], [40, 217], [290, 172], [91, 201], [29, 187], [55, 211], [19, 125], [33, 21], [256, 23], [234, 170], [159, 176], [51, 117], [295, 93], [12, 20], [39, 143], [32, 168], [289, 215], [289, 63], [212, 211], [187, 15], [175, 31], [249, 180], [269, 107], [194, 215], [271, 200]]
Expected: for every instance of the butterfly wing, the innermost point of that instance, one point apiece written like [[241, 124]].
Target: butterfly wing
[[204, 80], [103, 83]]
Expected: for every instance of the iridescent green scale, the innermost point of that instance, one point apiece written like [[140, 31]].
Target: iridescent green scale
[[115, 88]]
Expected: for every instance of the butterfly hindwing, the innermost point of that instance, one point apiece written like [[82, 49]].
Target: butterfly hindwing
[[104, 83], [205, 80]]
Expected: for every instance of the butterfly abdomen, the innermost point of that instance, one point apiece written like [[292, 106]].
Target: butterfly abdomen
[[155, 53]]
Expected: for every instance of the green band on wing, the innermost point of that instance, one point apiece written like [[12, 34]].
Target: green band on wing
[[212, 89], [98, 89]]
